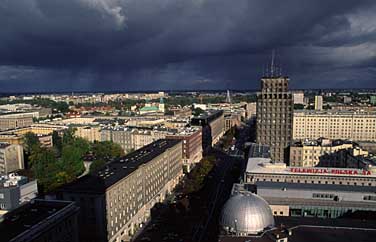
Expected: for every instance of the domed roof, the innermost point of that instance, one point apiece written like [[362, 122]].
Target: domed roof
[[246, 214]]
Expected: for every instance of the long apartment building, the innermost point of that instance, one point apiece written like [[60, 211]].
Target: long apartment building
[[356, 126], [116, 200], [16, 120], [133, 138]]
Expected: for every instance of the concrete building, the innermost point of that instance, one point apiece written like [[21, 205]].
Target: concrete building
[[262, 169], [16, 190], [355, 126], [132, 138], [308, 153], [212, 123], [40, 221], [16, 120], [116, 200], [89, 133], [298, 97], [232, 119], [372, 100], [192, 146], [11, 158], [318, 103], [251, 110], [275, 116], [317, 191]]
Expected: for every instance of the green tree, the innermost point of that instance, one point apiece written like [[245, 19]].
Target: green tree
[[103, 151], [68, 135], [107, 150], [57, 141], [96, 165], [31, 142], [71, 161], [45, 167]]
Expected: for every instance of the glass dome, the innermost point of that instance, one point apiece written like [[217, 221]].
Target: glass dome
[[245, 214]]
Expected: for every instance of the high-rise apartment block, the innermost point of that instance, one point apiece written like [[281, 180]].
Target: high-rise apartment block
[[298, 97], [274, 116], [318, 103]]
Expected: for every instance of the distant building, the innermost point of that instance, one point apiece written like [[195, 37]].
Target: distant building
[[347, 99], [16, 190], [372, 100], [356, 126], [88, 132], [16, 120], [309, 153], [41, 220], [318, 103], [152, 109], [251, 110], [231, 120], [116, 200], [212, 123], [11, 158], [298, 97], [275, 116], [192, 146]]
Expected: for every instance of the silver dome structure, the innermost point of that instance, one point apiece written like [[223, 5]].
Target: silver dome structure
[[245, 214]]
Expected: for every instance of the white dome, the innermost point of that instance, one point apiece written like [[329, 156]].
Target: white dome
[[245, 214]]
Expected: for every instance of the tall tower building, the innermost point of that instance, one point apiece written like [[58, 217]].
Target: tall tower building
[[275, 114], [318, 103]]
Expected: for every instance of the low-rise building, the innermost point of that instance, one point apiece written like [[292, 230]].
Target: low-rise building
[[16, 190], [116, 200]]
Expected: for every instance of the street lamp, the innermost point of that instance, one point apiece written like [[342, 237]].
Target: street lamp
[[236, 229]]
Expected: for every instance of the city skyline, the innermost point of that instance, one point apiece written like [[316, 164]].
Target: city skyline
[[94, 46]]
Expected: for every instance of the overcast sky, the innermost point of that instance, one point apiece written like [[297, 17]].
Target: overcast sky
[[120, 45]]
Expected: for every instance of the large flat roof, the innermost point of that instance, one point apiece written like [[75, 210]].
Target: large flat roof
[[35, 214], [314, 229], [265, 166], [309, 186], [118, 169]]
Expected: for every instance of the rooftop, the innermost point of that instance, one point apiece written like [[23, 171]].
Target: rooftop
[[322, 142], [116, 170], [309, 186], [313, 230], [331, 112], [265, 166], [32, 215]]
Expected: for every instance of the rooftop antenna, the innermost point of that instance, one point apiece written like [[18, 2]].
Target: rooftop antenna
[[272, 64]]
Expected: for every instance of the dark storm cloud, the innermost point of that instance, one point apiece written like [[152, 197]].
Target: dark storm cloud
[[183, 44]]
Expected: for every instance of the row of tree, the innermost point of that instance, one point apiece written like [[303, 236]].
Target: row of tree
[[63, 163]]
